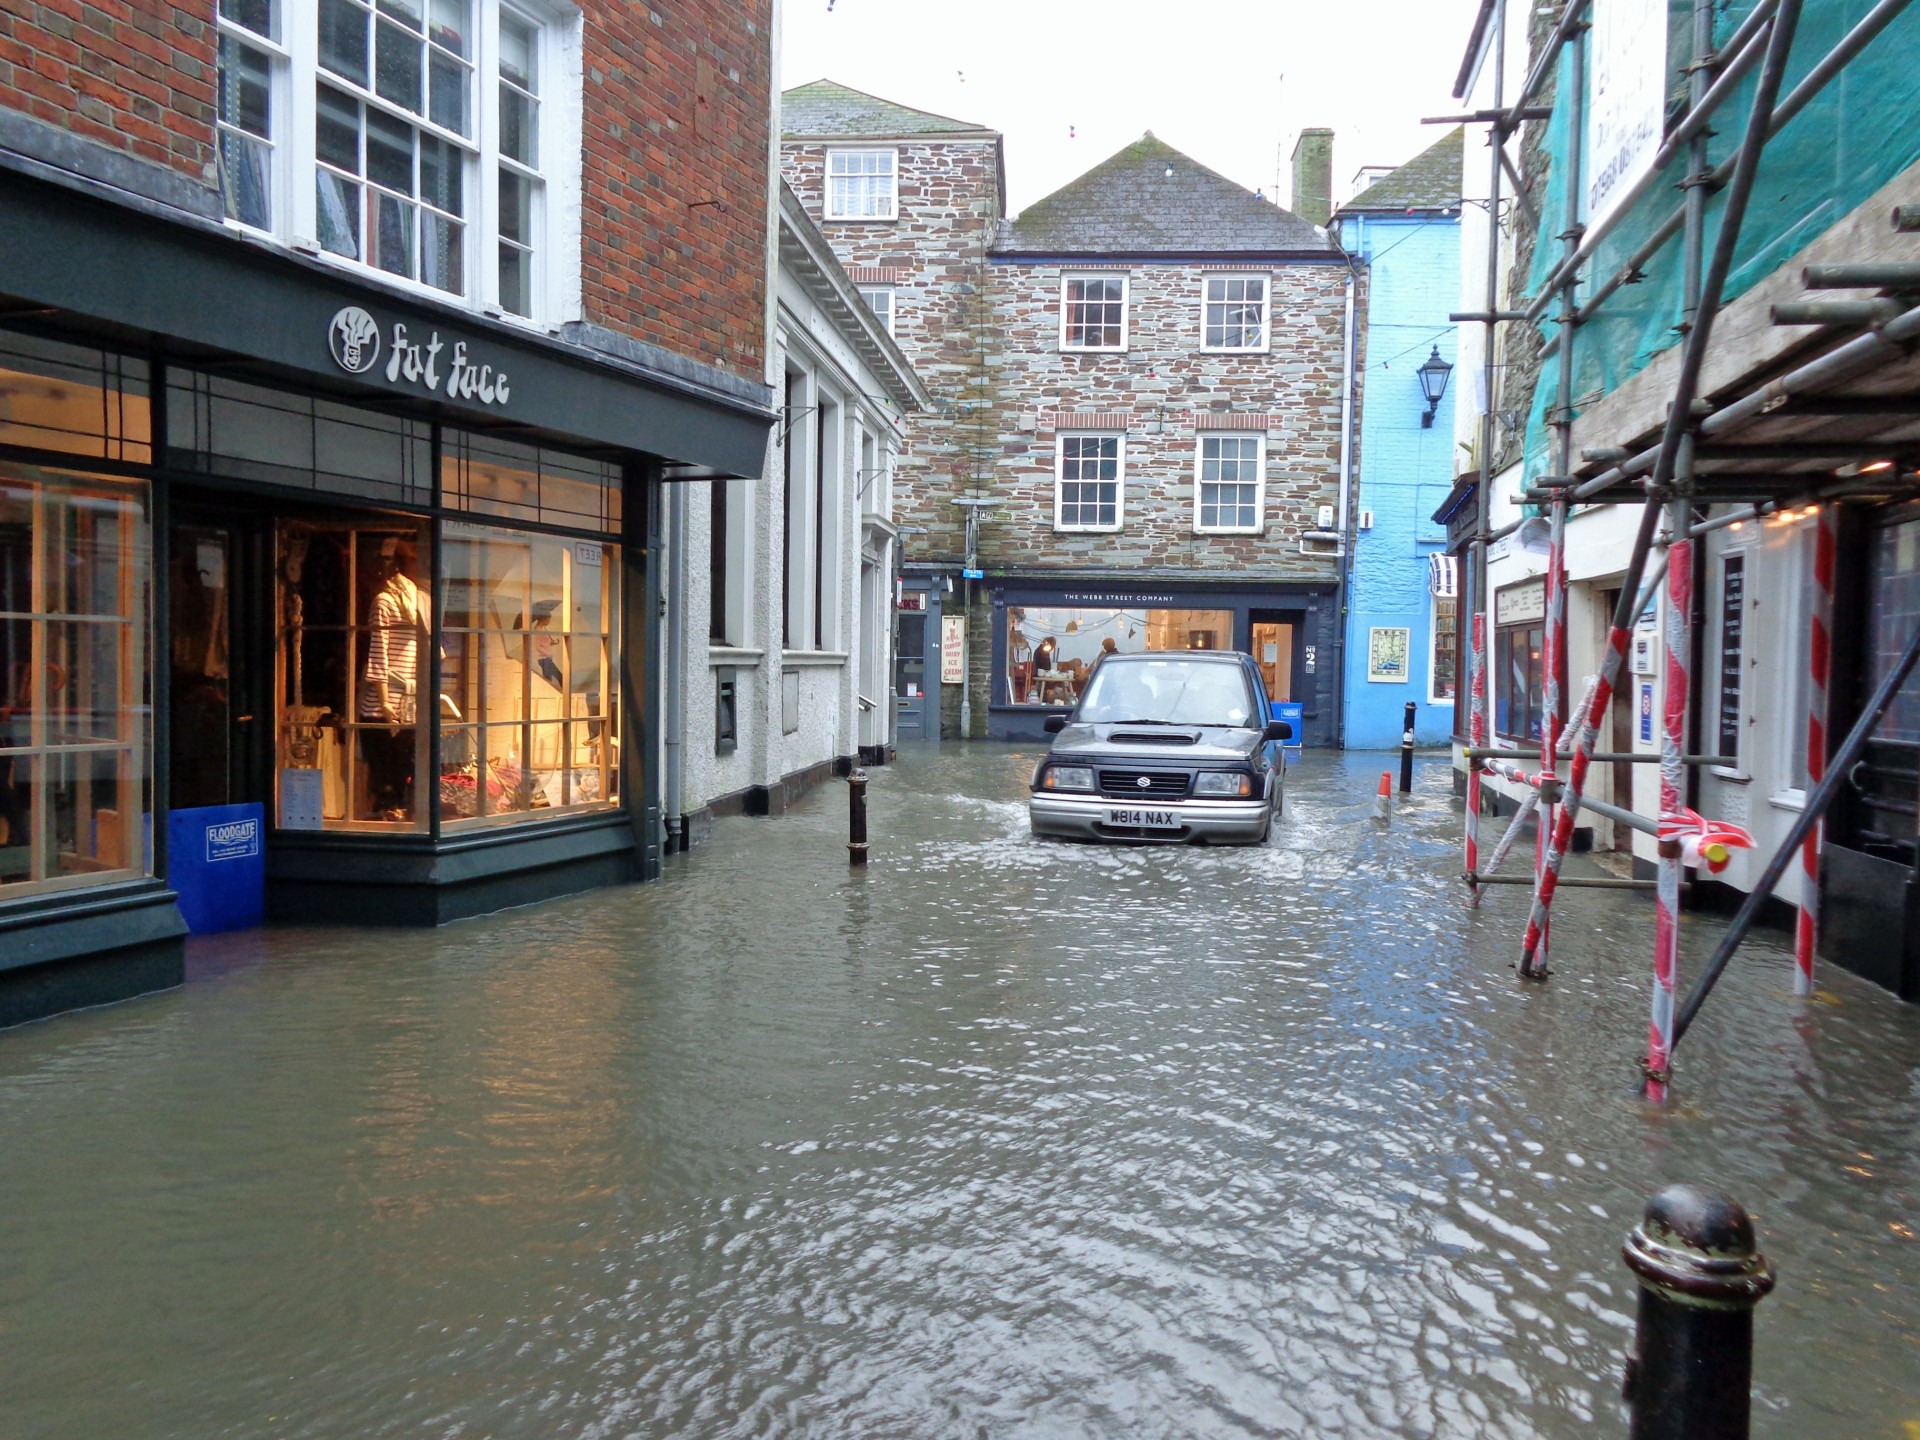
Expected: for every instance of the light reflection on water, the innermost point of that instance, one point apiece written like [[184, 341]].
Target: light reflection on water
[[998, 1138]]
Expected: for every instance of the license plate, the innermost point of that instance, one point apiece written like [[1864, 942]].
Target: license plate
[[1144, 819]]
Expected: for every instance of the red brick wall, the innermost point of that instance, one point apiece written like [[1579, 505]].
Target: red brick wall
[[133, 75], [677, 111]]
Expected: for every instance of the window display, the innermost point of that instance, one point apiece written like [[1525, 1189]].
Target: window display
[[528, 701], [75, 736], [355, 624], [1051, 651]]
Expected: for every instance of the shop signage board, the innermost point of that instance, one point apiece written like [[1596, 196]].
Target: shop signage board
[[1519, 604], [1626, 98], [357, 342], [953, 649]]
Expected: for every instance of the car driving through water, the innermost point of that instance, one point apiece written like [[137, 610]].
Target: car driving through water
[[1168, 747]]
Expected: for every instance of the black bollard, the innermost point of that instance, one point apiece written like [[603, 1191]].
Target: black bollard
[[857, 817], [1406, 752], [1690, 1372]]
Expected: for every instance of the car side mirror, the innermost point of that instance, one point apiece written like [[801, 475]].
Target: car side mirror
[[1054, 724], [1277, 730]]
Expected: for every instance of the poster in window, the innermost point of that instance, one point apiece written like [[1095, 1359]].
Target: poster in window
[[1387, 649], [953, 649]]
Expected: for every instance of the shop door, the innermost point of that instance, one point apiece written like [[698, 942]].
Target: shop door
[[910, 669], [1273, 649], [1870, 914], [220, 663]]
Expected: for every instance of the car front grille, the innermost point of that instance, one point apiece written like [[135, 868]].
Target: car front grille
[[1125, 785]]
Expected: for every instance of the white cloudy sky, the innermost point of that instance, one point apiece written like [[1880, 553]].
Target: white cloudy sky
[[1230, 82]]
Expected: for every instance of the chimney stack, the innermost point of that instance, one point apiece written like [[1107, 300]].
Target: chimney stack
[[1313, 175]]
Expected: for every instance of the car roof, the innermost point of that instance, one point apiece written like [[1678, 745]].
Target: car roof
[[1210, 657]]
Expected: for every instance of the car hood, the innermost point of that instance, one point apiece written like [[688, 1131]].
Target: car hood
[[1165, 744]]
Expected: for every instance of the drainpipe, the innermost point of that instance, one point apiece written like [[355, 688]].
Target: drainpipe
[[676, 678], [1344, 523]]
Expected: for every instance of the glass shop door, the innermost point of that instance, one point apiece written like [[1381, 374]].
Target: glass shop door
[[220, 663]]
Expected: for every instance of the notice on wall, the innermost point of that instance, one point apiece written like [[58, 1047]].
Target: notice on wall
[[1646, 711], [302, 796], [1733, 623], [953, 649], [1387, 648], [1520, 604], [1626, 98]]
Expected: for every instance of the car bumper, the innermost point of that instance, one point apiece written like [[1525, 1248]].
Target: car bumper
[[1083, 817]]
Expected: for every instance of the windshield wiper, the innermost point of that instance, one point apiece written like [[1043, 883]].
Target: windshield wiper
[[1142, 722]]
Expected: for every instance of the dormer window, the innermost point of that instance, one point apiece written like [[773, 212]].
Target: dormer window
[[862, 185]]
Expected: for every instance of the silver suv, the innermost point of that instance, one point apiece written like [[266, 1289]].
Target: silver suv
[[1168, 746]]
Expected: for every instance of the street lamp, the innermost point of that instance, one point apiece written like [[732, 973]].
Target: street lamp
[[1434, 373]]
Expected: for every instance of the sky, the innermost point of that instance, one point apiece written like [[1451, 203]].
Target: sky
[[1229, 82]]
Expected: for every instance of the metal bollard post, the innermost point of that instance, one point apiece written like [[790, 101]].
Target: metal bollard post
[[1406, 752], [1690, 1372], [857, 817]]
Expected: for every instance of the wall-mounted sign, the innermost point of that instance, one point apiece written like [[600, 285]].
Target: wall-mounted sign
[[355, 341], [1519, 604], [1387, 649], [953, 649], [970, 574], [1626, 98], [1308, 655], [1646, 710], [1643, 640], [914, 601]]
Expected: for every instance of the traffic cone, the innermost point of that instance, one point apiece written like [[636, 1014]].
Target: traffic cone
[[1384, 798]]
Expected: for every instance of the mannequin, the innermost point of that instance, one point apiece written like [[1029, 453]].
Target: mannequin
[[397, 623]]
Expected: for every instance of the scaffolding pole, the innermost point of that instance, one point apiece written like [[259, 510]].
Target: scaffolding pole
[[1806, 930]]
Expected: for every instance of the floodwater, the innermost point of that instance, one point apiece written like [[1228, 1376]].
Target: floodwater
[[998, 1138]]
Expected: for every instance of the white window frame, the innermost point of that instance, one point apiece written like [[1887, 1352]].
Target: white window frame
[[1126, 306], [1434, 697], [1207, 302], [893, 190], [883, 310], [555, 289], [1259, 439], [1060, 481]]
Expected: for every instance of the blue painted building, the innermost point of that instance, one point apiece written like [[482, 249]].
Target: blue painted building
[[1402, 622]]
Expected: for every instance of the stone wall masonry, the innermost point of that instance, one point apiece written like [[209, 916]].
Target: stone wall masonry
[[1291, 394], [949, 205], [133, 76]]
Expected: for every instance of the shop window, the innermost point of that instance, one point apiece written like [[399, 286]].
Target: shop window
[[225, 427], [75, 741], [485, 476], [73, 400], [529, 700], [1444, 661], [412, 137], [355, 678], [1052, 650], [1518, 682]]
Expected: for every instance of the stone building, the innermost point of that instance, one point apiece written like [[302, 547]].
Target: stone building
[[347, 355], [1142, 435]]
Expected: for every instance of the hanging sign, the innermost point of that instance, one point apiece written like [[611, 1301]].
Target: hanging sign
[[953, 649], [1626, 98], [356, 342]]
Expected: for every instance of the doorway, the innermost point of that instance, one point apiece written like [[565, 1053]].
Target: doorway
[[219, 698], [1273, 651], [914, 718]]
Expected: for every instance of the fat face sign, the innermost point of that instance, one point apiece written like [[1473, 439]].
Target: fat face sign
[[356, 343]]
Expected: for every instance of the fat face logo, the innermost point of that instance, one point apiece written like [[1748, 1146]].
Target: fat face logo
[[233, 840], [354, 340]]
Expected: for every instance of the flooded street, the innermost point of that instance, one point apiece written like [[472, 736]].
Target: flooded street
[[998, 1138]]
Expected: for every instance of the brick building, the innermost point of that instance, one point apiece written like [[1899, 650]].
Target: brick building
[[1142, 417], [335, 339]]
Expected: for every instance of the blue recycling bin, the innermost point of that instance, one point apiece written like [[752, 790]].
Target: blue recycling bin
[[217, 864], [1294, 712]]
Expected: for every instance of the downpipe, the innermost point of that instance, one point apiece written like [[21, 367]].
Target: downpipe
[[1344, 522], [676, 677]]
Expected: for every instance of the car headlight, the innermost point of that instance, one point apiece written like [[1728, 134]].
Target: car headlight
[[1067, 777], [1223, 782]]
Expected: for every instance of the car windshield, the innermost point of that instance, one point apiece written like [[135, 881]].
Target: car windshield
[[1168, 692]]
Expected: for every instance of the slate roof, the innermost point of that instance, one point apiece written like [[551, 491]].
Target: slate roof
[[1129, 205], [1429, 181], [827, 107]]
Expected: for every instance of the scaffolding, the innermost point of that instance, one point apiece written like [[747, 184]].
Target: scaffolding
[[1792, 442]]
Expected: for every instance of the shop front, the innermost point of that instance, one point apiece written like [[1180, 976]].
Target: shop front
[[316, 604], [1048, 637]]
